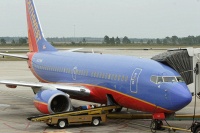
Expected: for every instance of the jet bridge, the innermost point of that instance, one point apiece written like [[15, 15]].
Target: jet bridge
[[185, 61]]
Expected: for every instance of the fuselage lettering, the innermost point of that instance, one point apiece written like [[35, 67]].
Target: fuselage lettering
[[34, 22]]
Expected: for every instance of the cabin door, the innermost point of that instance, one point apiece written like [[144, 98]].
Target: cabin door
[[134, 80]]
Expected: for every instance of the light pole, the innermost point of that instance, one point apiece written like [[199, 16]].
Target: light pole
[[74, 33]]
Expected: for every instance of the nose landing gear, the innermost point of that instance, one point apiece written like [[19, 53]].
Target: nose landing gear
[[156, 125]]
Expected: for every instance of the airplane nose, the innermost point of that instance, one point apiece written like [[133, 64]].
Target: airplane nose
[[180, 98]]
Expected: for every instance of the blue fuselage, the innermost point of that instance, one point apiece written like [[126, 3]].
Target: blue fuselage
[[129, 76]]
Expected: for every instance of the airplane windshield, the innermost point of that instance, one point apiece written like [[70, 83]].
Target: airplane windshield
[[160, 79], [179, 79], [169, 79]]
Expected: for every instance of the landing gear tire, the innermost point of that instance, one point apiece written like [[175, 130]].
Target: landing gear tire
[[197, 130], [155, 125], [62, 124], [95, 121]]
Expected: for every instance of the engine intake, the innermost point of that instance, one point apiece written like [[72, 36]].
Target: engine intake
[[52, 101]]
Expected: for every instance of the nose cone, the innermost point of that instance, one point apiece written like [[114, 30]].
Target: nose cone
[[180, 97]]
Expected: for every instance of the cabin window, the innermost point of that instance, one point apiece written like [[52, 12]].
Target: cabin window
[[94, 75], [119, 77], [122, 78], [86, 73], [99, 75]]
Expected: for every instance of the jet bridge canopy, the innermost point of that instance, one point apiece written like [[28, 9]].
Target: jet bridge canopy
[[180, 61]]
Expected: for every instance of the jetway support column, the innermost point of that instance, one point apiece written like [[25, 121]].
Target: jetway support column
[[195, 53]]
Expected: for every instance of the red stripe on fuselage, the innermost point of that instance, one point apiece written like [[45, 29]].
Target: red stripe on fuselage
[[98, 94]]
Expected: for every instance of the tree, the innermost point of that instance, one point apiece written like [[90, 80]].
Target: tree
[[168, 39], [106, 40], [158, 41], [198, 39], [125, 40], [165, 41], [22, 40], [84, 40], [149, 42], [117, 40], [13, 41], [3, 41], [112, 40], [141, 41], [174, 39]]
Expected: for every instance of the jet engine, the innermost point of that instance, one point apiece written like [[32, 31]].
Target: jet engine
[[52, 101]]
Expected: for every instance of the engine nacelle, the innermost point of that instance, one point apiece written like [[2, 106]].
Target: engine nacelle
[[52, 101]]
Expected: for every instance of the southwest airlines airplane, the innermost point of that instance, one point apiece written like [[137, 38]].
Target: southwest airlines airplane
[[131, 82]]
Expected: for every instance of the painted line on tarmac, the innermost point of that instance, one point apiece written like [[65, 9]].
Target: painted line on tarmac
[[11, 94], [4, 105]]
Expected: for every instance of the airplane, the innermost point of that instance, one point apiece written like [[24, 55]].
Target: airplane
[[131, 82]]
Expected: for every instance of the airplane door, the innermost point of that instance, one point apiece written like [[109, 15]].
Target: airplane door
[[134, 80], [74, 72]]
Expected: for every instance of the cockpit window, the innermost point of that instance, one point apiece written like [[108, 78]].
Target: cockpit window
[[154, 79], [179, 79], [160, 79], [169, 79]]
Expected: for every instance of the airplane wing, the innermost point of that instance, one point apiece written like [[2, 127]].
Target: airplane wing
[[71, 89], [73, 50], [26, 57], [15, 55]]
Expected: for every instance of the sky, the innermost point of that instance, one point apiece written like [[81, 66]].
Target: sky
[[97, 18]]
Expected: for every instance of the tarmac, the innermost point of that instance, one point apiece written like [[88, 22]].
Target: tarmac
[[17, 104]]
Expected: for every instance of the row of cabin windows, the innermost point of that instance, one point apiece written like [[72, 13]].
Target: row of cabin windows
[[85, 73], [109, 76]]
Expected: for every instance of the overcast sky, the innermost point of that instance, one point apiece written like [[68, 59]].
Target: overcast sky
[[97, 18]]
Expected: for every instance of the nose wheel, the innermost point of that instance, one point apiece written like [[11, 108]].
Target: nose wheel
[[156, 125]]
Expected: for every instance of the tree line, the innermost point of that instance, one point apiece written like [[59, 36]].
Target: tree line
[[14, 41], [116, 40], [174, 40]]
